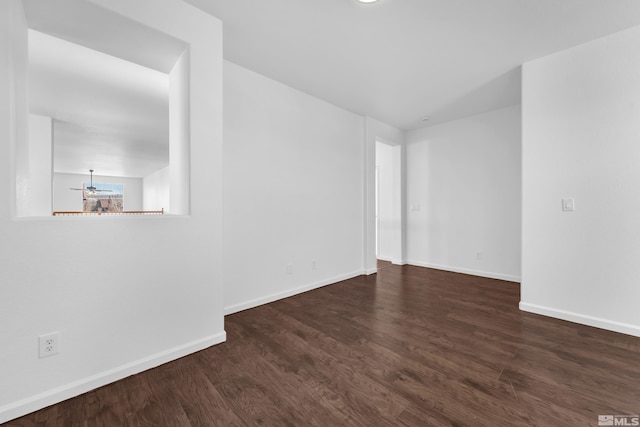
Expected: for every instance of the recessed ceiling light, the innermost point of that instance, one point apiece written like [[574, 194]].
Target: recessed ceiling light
[[367, 1]]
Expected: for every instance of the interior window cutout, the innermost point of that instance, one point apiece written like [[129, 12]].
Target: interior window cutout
[[101, 104]]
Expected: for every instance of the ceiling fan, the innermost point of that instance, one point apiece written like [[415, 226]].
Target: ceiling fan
[[91, 189]]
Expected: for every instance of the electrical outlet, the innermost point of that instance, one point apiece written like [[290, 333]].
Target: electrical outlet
[[478, 255], [568, 205], [313, 264], [290, 268], [49, 344]]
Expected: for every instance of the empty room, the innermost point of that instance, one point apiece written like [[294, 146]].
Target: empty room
[[319, 213]]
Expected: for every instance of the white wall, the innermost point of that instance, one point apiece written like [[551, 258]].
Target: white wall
[[14, 66], [387, 226], [580, 140], [40, 160], [464, 195], [179, 194], [69, 200], [293, 189], [167, 299], [155, 193]]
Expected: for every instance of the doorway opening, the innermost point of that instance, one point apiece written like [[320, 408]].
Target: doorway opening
[[388, 204]]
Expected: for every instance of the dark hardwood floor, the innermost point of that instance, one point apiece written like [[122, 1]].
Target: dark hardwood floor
[[407, 347]]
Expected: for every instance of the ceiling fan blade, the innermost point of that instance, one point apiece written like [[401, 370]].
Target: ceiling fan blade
[[91, 189]]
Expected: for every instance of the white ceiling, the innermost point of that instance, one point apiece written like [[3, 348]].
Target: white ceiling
[[401, 60], [395, 60]]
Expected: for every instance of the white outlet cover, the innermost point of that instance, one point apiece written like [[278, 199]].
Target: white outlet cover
[[568, 205], [49, 344]]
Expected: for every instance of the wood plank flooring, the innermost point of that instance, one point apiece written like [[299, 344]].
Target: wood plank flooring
[[409, 346]]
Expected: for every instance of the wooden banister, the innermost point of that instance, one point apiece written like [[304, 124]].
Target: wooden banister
[[80, 213]]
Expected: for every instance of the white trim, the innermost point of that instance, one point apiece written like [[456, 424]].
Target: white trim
[[291, 292], [370, 271], [488, 274], [41, 400], [392, 260], [583, 319]]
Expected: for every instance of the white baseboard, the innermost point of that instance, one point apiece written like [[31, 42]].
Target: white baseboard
[[583, 319], [291, 292], [488, 274], [42, 400], [383, 258]]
